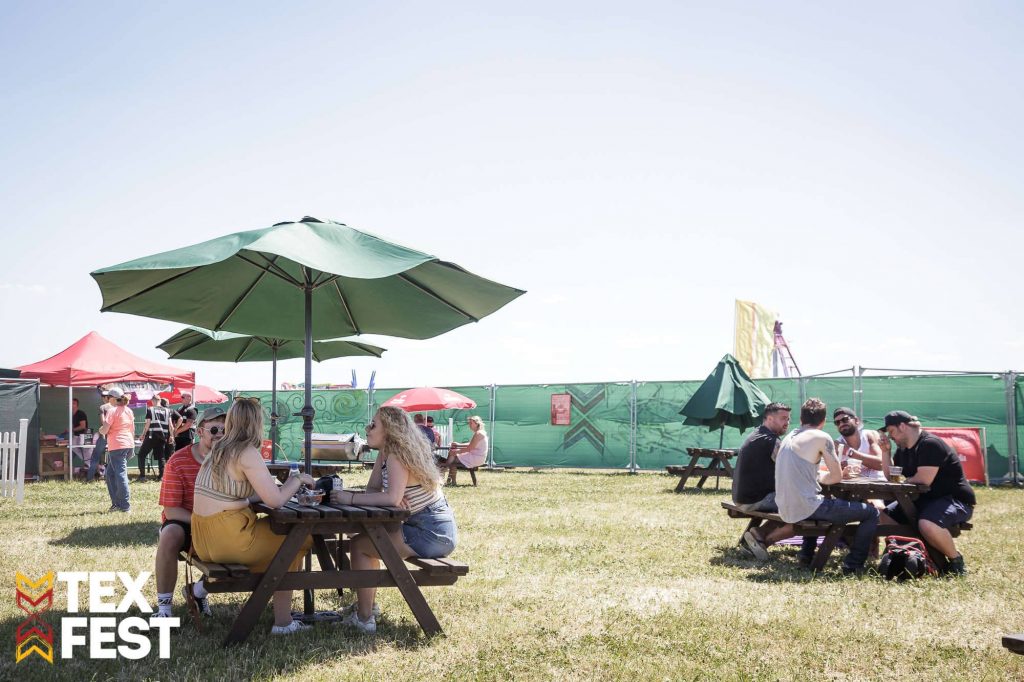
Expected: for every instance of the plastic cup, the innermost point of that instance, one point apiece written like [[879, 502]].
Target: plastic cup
[[896, 474], [855, 467]]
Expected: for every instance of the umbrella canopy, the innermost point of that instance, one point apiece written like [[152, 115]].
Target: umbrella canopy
[[415, 399], [308, 279], [200, 394], [194, 343], [727, 397]]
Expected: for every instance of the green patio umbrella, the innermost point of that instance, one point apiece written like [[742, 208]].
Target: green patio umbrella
[[308, 279], [194, 343], [727, 397]]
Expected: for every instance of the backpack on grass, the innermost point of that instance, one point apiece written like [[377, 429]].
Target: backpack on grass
[[905, 558]]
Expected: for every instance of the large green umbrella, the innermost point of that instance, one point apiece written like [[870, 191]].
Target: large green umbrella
[[308, 279], [194, 343], [727, 397]]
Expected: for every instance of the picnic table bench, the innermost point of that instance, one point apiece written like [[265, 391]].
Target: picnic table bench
[[719, 466], [854, 489], [325, 522]]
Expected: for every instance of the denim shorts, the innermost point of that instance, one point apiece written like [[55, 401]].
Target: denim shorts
[[431, 532], [943, 511]]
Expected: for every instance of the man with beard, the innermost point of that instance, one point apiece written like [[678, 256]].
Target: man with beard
[[861, 444]]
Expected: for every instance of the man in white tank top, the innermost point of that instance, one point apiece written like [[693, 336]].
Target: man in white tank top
[[861, 444]]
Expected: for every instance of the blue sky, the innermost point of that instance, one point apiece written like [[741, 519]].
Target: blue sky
[[636, 167]]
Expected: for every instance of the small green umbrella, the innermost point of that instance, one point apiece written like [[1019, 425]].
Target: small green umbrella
[[309, 279], [194, 343], [727, 397]]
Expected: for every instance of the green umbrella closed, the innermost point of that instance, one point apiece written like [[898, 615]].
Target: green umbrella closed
[[309, 279], [727, 397], [194, 343]]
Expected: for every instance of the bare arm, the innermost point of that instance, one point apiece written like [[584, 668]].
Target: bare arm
[[376, 482], [835, 472], [178, 514], [872, 459], [145, 430], [265, 485], [924, 475], [398, 478]]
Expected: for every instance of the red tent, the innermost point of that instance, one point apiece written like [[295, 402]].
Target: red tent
[[201, 395], [93, 360]]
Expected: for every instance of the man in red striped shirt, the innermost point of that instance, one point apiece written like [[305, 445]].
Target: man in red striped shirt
[[176, 493]]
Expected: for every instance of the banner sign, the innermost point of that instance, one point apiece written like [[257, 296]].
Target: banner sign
[[754, 339], [561, 409], [969, 443], [141, 392]]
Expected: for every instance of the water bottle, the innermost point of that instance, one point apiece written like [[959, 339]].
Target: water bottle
[[293, 469]]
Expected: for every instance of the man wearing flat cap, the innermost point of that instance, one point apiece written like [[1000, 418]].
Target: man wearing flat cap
[[928, 460]]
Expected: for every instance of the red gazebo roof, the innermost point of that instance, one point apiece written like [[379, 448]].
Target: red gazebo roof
[[93, 360]]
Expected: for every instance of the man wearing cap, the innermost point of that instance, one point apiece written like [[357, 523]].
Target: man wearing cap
[[798, 487], [927, 459], [185, 429], [753, 482], [861, 444], [176, 496]]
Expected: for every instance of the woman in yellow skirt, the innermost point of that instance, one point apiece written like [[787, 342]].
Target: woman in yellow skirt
[[224, 528]]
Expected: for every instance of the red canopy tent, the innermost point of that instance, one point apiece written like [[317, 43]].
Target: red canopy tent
[[201, 395], [93, 360]]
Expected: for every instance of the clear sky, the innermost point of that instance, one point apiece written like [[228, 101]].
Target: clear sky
[[634, 166]]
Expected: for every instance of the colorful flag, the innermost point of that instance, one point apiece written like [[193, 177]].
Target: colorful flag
[[755, 338]]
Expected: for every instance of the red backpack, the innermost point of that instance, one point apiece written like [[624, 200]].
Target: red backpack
[[905, 558]]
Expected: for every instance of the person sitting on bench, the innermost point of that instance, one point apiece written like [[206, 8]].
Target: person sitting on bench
[[753, 482], [224, 528], [404, 474], [929, 460], [469, 455], [798, 487]]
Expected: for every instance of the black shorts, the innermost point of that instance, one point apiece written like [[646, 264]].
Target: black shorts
[[187, 527], [943, 511]]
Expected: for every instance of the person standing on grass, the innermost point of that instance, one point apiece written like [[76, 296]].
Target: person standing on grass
[[404, 474], [155, 432], [79, 426], [119, 430], [753, 483], [177, 492], [185, 429], [798, 487], [467, 455], [928, 460], [100, 443], [224, 528]]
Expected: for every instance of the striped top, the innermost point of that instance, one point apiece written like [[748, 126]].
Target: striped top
[[416, 496], [177, 488], [221, 487]]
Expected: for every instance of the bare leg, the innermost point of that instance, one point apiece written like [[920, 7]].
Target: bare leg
[[166, 566], [283, 608], [938, 537], [364, 558], [778, 534]]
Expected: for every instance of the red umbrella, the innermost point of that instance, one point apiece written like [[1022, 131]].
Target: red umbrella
[[416, 399], [200, 394]]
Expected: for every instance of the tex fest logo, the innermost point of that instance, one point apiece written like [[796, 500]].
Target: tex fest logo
[[96, 637]]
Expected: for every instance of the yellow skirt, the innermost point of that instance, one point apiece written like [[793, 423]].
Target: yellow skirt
[[235, 536]]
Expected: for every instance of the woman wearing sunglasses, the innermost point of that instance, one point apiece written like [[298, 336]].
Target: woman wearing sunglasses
[[224, 528], [404, 474]]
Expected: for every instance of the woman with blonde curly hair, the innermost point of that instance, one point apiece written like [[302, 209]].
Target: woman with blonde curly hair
[[224, 528], [404, 474]]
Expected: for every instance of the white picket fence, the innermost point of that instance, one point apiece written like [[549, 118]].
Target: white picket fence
[[13, 449]]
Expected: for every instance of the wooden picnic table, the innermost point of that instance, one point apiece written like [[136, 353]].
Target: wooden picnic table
[[719, 466], [861, 490], [324, 522], [282, 469]]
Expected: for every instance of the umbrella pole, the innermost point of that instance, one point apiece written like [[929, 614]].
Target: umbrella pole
[[307, 410], [721, 439], [273, 409]]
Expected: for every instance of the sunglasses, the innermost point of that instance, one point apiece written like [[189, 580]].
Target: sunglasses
[[214, 430], [843, 420]]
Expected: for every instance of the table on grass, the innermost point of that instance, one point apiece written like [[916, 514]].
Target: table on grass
[[719, 466], [324, 523]]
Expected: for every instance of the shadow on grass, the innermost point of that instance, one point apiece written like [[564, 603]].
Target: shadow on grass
[[134, 533], [199, 655], [700, 492], [781, 568]]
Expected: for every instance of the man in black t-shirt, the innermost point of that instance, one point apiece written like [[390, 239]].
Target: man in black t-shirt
[[929, 460], [185, 432], [79, 425], [753, 481]]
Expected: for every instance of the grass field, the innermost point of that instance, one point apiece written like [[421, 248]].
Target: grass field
[[576, 576]]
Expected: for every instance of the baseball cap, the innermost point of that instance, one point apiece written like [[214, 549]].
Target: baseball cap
[[212, 413], [897, 417], [844, 410], [115, 393]]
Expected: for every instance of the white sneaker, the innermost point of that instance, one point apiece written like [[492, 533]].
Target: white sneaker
[[367, 627], [290, 629], [353, 607]]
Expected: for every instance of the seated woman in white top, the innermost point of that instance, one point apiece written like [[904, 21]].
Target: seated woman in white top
[[467, 455]]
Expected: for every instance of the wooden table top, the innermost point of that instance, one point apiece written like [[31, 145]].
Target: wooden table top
[[293, 512]]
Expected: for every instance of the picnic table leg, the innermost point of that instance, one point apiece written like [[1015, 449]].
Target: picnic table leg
[[403, 579], [257, 601], [827, 545], [686, 474], [323, 554]]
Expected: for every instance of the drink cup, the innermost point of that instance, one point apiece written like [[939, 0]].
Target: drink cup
[[896, 474], [855, 467]]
